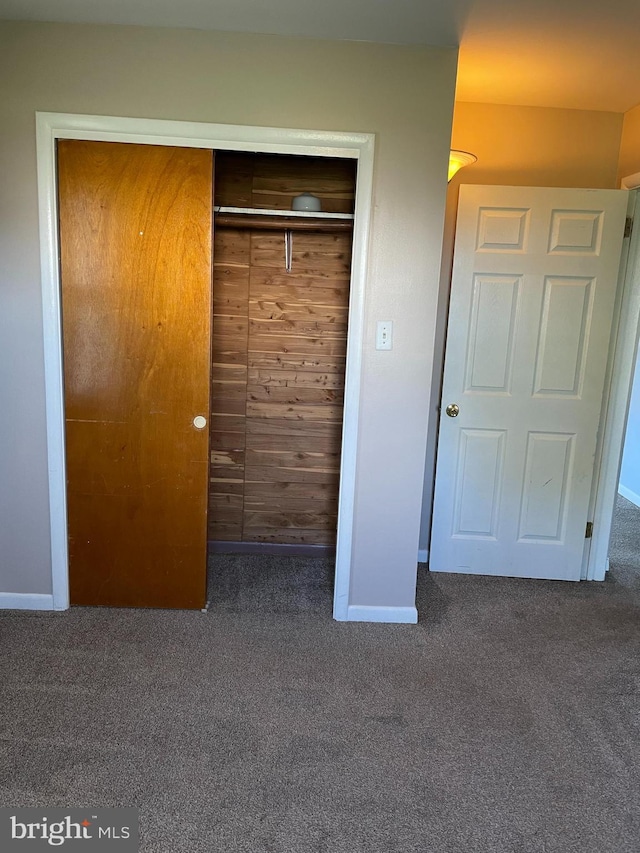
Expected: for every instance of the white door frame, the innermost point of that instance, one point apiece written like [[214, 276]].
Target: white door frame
[[359, 146], [622, 358]]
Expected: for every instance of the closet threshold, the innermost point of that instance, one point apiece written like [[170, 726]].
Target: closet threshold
[[293, 220]]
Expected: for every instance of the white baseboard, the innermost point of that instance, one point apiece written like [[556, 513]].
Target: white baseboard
[[25, 601], [365, 613], [423, 555], [628, 494]]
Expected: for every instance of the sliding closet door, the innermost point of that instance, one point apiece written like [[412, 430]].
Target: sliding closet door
[[135, 240]]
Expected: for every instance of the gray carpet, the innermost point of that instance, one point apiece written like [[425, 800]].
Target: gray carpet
[[624, 550], [280, 585], [505, 722]]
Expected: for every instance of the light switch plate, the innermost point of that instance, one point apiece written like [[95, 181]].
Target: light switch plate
[[384, 334]]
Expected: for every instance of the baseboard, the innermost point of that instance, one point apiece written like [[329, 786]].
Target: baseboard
[[423, 555], [365, 613], [25, 601], [628, 494], [274, 549]]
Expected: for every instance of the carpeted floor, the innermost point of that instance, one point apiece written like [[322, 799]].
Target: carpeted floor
[[624, 551], [506, 721]]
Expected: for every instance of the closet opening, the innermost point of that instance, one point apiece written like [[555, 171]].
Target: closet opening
[[281, 280]]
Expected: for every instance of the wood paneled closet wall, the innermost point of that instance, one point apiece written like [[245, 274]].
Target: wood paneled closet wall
[[279, 350]]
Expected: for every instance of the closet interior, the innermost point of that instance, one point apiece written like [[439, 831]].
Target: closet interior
[[280, 315]]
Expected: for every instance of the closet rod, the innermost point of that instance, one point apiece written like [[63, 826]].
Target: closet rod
[[290, 214]]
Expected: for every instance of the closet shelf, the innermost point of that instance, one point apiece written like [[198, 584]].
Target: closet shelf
[[272, 220]]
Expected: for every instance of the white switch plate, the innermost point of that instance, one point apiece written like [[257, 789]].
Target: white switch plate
[[384, 334]]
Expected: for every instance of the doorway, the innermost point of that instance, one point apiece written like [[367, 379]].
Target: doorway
[[620, 373], [624, 545], [137, 268], [280, 318], [359, 147]]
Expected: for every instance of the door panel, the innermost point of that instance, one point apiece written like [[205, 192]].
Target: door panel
[[480, 462], [490, 347], [564, 333], [135, 254], [533, 289]]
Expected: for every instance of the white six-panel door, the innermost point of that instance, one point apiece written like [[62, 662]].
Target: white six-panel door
[[533, 290]]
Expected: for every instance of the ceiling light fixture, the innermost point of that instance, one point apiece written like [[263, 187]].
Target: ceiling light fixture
[[458, 159]]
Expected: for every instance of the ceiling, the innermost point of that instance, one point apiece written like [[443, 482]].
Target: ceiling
[[579, 54]]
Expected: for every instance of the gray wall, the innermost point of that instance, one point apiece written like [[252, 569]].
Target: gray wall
[[402, 94]]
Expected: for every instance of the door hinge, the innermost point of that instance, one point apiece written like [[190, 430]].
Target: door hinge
[[628, 226], [589, 531]]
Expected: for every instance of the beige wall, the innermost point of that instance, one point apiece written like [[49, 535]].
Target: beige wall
[[532, 146], [403, 95], [629, 163], [518, 146]]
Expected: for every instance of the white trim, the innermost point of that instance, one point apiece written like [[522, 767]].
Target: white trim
[[26, 601], [616, 396], [364, 613], [631, 182], [53, 370], [360, 146], [423, 555], [629, 495]]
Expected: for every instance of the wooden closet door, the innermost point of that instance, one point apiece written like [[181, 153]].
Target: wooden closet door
[[135, 246]]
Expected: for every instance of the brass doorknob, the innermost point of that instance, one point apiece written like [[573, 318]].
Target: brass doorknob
[[453, 410]]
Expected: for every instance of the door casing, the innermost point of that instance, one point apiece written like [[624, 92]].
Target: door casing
[[615, 404], [53, 126]]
